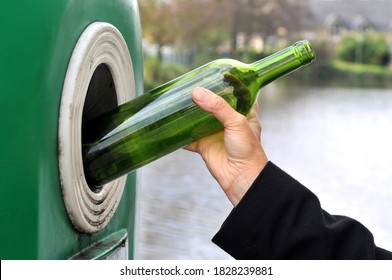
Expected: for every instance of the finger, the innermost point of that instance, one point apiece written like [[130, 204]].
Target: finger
[[200, 145], [191, 147], [217, 106], [254, 122], [253, 113]]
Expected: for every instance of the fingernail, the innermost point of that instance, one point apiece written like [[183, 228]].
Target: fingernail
[[200, 94]]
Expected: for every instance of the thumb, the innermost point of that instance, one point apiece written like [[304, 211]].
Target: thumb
[[216, 105]]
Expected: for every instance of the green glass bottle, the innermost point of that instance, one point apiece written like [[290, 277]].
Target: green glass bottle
[[166, 119]]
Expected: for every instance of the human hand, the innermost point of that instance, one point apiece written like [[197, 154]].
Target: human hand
[[233, 156]]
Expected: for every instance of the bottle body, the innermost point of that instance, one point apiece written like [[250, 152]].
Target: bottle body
[[166, 119]]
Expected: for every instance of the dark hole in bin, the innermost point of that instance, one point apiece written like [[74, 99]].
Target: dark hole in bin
[[101, 97]]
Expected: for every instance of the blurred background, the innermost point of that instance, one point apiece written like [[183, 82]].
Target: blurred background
[[329, 125]]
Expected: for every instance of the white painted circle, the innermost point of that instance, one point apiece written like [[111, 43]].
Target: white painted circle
[[100, 43]]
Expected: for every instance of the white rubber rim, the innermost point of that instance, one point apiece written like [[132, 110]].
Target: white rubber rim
[[100, 43]]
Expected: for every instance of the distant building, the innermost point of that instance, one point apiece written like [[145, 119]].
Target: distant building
[[341, 15], [335, 24]]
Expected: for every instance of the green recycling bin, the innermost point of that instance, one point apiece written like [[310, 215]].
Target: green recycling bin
[[63, 62]]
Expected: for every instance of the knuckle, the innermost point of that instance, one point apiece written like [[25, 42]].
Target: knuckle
[[219, 103], [240, 120], [259, 126]]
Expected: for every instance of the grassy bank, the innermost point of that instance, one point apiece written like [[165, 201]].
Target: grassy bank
[[352, 74], [328, 72]]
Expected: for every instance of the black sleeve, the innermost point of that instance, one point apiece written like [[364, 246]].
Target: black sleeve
[[278, 218]]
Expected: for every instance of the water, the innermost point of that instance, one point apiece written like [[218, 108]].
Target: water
[[336, 141]]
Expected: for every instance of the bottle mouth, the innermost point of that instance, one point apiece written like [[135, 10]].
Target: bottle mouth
[[304, 51]]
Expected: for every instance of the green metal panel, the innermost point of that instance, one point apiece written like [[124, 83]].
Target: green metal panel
[[37, 40]]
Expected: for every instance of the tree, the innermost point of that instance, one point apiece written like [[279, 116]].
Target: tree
[[192, 24], [202, 23], [159, 24], [266, 18]]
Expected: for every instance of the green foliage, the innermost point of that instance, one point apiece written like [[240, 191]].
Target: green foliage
[[343, 73], [367, 48], [157, 73]]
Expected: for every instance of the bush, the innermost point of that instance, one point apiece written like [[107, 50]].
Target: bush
[[157, 73], [366, 48]]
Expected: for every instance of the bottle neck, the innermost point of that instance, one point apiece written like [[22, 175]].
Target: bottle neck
[[283, 62]]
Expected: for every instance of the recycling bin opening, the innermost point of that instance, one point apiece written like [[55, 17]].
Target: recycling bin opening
[[101, 97], [99, 78]]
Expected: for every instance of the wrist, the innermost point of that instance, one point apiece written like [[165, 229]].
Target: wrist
[[244, 181]]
